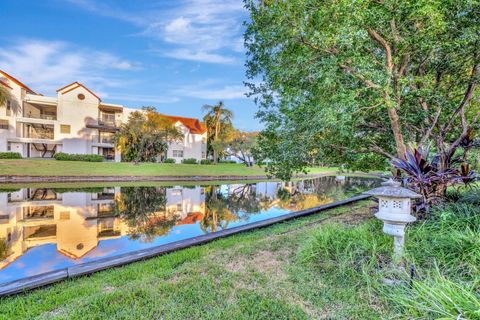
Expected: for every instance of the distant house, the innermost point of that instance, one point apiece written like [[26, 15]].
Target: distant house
[[76, 121]]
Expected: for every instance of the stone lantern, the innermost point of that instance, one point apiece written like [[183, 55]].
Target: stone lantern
[[394, 207]]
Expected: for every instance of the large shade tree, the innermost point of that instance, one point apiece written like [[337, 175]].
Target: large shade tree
[[218, 120], [239, 144], [146, 135], [359, 82]]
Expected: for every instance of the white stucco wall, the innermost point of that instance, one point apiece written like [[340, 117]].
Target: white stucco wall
[[77, 114]]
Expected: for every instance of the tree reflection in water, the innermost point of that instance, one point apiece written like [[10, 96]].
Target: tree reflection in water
[[143, 209]]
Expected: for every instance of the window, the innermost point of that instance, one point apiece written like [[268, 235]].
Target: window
[[81, 96], [179, 207], [9, 146], [177, 153], [3, 124], [9, 108], [65, 128], [203, 154]]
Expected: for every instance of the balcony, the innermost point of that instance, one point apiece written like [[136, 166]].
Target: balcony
[[105, 124], [102, 140], [38, 131], [39, 111], [109, 122]]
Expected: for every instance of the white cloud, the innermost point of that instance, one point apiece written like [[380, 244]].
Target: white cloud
[[198, 30], [227, 92], [49, 65], [192, 55]]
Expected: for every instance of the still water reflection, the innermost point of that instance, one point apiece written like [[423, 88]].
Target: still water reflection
[[45, 229]]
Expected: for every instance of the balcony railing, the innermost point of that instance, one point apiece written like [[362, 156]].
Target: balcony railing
[[109, 122], [41, 116], [39, 135], [102, 139]]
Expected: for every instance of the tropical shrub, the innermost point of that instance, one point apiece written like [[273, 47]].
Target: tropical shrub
[[169, 160], [190, 161], [61, 156], [205, 161], [423, 174], [10, 155]]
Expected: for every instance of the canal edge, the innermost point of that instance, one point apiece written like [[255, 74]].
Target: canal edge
[[44, 279]]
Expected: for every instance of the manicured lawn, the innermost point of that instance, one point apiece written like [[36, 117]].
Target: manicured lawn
[[252, 275], [326, 266], [38, 167]]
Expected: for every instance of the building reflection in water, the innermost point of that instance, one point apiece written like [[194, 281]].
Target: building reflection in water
[[76, 221]]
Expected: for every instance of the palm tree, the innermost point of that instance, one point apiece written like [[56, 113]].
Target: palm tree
[[216, 118], [3, 96]]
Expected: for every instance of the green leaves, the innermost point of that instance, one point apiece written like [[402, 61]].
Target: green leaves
[[145, 136], [327, 77]]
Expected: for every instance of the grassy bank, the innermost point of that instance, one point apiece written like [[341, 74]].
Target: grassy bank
[[328, 265], [38, 167]]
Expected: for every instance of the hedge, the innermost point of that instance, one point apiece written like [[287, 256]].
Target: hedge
[[78, 157], [205, 161], [10, 155], [169, 160], [190, 161], [227, 161]]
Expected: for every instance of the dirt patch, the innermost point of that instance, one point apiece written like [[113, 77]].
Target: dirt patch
[[53, 313], [108, 289], [358, 216]]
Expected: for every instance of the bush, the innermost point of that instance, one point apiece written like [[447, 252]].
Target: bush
[[61, 156], [227, 161], [10, 155], [190, 161], [205, 161], [169, 160]]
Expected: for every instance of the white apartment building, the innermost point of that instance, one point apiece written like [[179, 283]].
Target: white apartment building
[[76, 121]]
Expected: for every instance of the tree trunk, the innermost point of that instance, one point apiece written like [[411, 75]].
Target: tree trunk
[[217, 129], [397, 132]]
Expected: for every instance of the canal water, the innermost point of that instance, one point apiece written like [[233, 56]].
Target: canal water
[[48, 228]]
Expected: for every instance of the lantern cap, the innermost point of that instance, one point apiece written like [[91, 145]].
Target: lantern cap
[[392, 189]]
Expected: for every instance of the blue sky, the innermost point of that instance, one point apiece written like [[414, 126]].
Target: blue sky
[[176, 55]]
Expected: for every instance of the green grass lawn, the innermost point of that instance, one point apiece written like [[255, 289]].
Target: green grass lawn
[[38, 167], [326, 266]]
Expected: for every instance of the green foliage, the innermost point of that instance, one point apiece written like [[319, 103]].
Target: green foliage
[[355, 83], [218, 120], [143, 210], [241, 145], [438, 297], [227, 161], [169, 160], [444, 250], [10, 155], [145, 136], [4, 95], [61, 156], [190, 161], [336, 246], [205, 161]]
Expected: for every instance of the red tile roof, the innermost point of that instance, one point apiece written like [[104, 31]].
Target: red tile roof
[[76, 85], [194, 125], [17, 82], [191, 218]]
